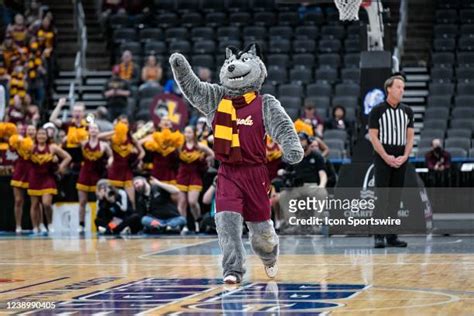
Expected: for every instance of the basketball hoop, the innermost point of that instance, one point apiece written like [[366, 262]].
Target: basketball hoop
[[349, 9]]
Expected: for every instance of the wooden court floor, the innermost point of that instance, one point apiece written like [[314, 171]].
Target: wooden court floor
[[182, 276]]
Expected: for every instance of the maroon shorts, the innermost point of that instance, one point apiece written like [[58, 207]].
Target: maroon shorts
[[244, 189]]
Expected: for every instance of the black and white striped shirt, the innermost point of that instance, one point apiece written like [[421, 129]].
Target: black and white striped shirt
[[392, 124]]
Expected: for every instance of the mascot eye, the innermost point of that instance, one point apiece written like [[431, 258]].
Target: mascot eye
[[245, 59]]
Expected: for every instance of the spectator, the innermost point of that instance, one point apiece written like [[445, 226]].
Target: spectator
[[155, 204], [18, 30], [10, 52], [151, 73], [101, 118], [128, 70], [339, 121], [52, 132], [36, 71], [310, 115], [21, 112], [46, 35], [208, 224], [114, 211], [204, 74], [305, 179], [437, 159], [116, 93]]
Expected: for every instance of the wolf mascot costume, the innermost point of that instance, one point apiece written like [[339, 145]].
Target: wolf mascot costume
[[241, 118]]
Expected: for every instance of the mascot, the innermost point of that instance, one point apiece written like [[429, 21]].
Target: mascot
[[241, 118]]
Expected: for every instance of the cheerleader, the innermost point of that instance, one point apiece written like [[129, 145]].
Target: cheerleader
[[194, 158], [23, 147], [127, 153], [164, 147], [41, 177], [93, 167]]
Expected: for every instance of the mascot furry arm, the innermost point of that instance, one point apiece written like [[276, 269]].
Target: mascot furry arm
[[205, 97]]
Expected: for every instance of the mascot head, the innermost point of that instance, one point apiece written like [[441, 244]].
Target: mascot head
[[243, 71]]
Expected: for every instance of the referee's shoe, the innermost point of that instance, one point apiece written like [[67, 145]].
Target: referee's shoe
[[392, 241]]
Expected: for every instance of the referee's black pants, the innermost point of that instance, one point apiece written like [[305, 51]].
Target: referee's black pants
[[389, 184]]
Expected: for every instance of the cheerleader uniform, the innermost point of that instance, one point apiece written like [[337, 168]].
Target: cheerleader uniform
[[41, 179], [92, 168], [164, 167], [190, 169], [21, 169], [120, 174]]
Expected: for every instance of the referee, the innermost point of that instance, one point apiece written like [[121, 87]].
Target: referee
[[391, 134]]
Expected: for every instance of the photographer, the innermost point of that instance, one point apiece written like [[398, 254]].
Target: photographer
[[155, 204], [114, 215], [305, 179]]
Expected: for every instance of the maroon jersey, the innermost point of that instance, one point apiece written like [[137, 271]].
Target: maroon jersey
[[251, 132]]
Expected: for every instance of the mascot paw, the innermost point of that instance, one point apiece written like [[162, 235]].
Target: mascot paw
[[294, 156], [177, 60]]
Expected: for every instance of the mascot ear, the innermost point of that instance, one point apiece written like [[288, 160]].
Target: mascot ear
[[253, 49], [229, 51]]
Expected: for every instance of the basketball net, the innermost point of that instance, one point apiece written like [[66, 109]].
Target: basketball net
[[349, 9]]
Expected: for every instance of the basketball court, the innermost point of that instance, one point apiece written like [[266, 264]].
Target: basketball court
[[182, 276]]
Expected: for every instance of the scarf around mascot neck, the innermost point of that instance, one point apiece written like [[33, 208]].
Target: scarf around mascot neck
[[226, 135]]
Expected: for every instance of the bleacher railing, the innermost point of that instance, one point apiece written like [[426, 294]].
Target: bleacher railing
[[80, 24], [401, 33]]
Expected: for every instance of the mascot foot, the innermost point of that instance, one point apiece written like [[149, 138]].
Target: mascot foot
[[271, 270], [231, 279]]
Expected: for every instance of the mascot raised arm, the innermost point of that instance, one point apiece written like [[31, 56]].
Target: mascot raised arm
[[241, 118]]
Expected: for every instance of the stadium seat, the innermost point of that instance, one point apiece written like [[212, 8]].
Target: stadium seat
[[335, 134], [471, 153], [149, 92], [237, 5], [425, 142], [307, 60], [466, 16], [347, 89], [333, 31], [459, 132], [263, 5], [134, 47], [307, 32], [443, 101], [463, 112], [328, 75], [421, 152], [202, 33], [280, 60], [216, 19], [457, 152], [288, 18], [183, 47], [155, 47], [176, 33], [213, 5], [290, 102], [319, 89], [290, 90], [151, 34], [167, 20], [465, 89], [264, 18], [314, 18], [462, 123], [446, 16], [329, 61], [191, 19], [187, 5], [239, 18], [319, 102], [436, 123], [441, 74], [279, 46], [446, 89], [204, 47], [293, 113], [352, 45], [464, 101], [223, 44], [464, 74], [117, 21], [350, 75], [345, 101], [445, 31], [431, 133], [465, 58], [124, 35], [268, 88], [352, 60], [335, 154], [203, 61], [304, 46], [277, 75], [329, 46], [467, 30], [466, 43], [444, 44], [301, 75], [436, 113], [335, 144], [443, 59], [253, 33], [280, 32], [228, 33]]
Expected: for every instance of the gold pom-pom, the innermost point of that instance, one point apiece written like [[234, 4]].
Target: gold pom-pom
[[120, 135], [14, 141], [301, 126], [27, 144]]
